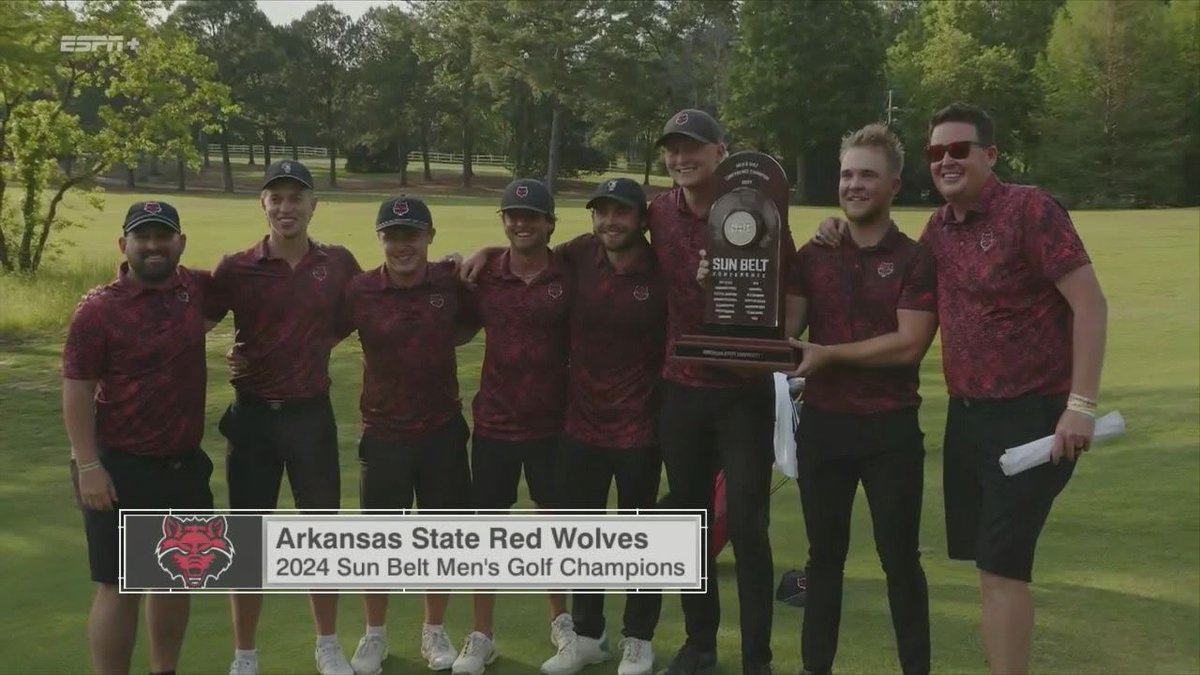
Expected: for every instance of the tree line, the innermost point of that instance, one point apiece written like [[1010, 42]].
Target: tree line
[[1096, 100]]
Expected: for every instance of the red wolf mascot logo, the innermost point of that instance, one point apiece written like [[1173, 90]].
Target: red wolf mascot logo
[[194, 549]]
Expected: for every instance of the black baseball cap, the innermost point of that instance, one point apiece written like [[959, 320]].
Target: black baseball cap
[[151, 212], [692, 123], [623, 190], [291, 169], [529, 194], [403, 210], [793, 588]]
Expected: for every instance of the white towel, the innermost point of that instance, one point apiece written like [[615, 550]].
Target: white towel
[[786, 420], [1035, 453]]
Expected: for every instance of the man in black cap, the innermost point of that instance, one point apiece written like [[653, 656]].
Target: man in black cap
[[712, 418], [409, 316], [522, 300], [618, 329], [134, 382], [284, 293]]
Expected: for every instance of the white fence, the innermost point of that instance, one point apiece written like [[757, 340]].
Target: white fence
[[491, 160], [457, 158], [310, 151], [280, 150]]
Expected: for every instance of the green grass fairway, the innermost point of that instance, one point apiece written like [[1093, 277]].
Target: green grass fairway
[[1117, 576]]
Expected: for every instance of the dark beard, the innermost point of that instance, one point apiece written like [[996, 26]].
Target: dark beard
[[155, 275], [628, 243]]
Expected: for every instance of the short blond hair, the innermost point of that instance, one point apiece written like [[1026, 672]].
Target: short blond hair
[[880, 137]]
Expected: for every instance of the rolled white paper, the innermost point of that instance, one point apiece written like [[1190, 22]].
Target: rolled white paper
[[1035, 453]]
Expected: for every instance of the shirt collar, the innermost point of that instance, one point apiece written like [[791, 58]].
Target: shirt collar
[[504, 269], [261, 252], [380, 281], [888, 243], [682, 207], [992, 190]]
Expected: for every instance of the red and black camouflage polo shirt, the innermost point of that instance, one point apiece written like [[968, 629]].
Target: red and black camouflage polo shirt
[[1006, 329]]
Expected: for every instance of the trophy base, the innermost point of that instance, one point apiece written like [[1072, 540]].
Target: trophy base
[[740, 353]]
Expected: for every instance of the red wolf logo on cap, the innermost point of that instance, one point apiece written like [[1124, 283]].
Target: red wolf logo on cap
[[400, 208], [194, 549]]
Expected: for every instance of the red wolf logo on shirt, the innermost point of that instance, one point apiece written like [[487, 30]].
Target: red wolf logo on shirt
[[194, 549]]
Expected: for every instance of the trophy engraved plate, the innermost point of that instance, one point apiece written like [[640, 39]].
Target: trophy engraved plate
[[743, 313]]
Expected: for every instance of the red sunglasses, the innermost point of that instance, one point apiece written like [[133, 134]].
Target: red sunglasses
[[956, 150]]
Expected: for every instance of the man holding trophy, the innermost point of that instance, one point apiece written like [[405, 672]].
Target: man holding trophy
[[723, 341]]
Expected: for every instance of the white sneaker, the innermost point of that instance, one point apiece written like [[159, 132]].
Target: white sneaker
[[331, 660], [369, 655], [244, 667], [562, 624], [478, 652], [436, 648], [638, 658], [575, 652]]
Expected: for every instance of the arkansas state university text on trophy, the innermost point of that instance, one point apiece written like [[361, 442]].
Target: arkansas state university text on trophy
[[743, 315]]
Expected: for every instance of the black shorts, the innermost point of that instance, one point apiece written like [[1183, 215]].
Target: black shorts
[[141, 483], [496, 471], [991, 518], [434, 466], [265, 439], [584, 474]]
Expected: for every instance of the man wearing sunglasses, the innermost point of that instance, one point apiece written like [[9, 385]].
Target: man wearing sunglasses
[[1023, 323]]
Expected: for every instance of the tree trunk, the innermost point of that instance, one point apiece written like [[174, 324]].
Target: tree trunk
[[226, 168], [130, 178], [467, 140], [143, 168], [650, 156], [181, 174], [266, 139], [519, 132], [204, 145], [402, 160], [555, 146], [799, 196], [425, 151], [28, 212], [332, 165], [51, 215], [467, 173], [250, 151], [5, 261], [155, 169], [295, 153]]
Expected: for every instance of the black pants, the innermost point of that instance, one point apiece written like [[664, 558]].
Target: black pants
[[886, 452], [704, 429], [584, 474], [266, 438]]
